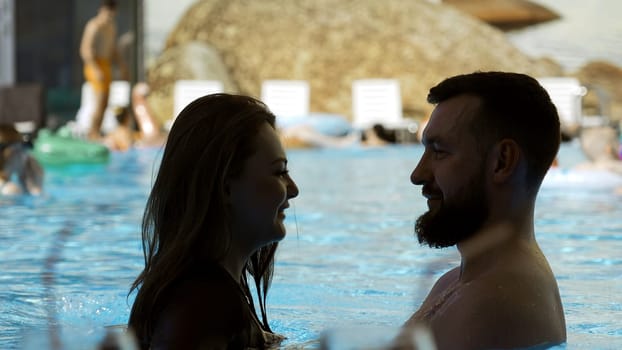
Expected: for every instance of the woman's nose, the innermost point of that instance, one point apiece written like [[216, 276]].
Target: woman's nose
[[292, 188]]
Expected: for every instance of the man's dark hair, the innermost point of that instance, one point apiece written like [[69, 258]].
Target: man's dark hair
[[111, 4], [513, 106]]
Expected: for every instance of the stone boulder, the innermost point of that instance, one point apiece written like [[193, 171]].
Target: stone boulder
[[190, 60], [330, 43], [604, 89]]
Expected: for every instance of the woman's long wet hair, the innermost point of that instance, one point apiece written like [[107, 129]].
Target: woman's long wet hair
[[186, 219], [8, 135]]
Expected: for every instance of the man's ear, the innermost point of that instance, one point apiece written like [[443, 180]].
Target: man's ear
[[506, 159]]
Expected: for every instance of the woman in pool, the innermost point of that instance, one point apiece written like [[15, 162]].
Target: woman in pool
[[213, 219], [20, 172]]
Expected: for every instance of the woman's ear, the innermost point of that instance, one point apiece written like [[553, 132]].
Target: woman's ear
[[506, 159]]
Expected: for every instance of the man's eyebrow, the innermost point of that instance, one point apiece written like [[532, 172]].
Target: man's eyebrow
[[279, 160]]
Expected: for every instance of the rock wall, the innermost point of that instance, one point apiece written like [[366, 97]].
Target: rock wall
[[191, 60], [330, 43], [604, 80]]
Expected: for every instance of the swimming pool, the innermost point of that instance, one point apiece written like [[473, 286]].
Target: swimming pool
[[350, 258]]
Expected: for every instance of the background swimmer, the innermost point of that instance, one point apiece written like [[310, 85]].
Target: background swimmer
[[20, 172]]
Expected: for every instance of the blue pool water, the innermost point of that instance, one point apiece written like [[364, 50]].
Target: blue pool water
[[350, 258]]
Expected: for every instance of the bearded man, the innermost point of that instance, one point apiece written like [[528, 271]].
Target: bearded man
[[488, 144]]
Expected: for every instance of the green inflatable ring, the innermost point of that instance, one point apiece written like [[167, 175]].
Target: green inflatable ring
[[54, 149]]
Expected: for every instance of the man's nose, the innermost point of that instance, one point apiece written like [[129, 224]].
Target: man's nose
[[419, 173]]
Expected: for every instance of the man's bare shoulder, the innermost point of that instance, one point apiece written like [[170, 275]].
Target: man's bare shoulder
[[90, 30], [446, 280], [515, 291], [506, 309], [92, 24], [435, 298]]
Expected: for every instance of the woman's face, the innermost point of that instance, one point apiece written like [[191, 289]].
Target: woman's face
[[261, 193]]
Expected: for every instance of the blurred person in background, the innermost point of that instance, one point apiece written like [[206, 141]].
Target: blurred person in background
[[20, 172], [150, 130], [98, 50], [136, 126], [122, 138], [601, 146]]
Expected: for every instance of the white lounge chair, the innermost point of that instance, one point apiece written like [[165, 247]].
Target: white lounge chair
[[186, 91], [566, 94], [119, 97], [287, 99], [377, 101]]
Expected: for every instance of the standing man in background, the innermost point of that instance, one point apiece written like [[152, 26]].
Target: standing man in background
[[98, 50]]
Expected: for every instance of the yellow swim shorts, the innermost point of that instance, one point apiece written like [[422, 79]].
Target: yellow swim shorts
[[106, 68]]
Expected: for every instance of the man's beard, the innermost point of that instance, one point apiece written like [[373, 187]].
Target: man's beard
[[454, 221]]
